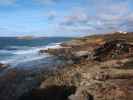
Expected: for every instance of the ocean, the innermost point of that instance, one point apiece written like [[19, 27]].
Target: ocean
[[25, 52]]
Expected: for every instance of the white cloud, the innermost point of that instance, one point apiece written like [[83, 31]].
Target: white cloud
[[51, 15], [97, 16], [76, 16], [108, 15]]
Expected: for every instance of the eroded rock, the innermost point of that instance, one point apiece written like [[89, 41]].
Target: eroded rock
[[81, 94], [50, 93]]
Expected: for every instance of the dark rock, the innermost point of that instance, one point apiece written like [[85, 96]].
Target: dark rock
[[128, 65], [81, 94], [42, 51], [3, 66], [50, 93], [107, 80], [113, 49]]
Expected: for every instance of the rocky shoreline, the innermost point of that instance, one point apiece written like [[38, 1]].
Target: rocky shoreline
[[98, 67]]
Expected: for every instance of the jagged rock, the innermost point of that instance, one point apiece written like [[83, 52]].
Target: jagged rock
[[81, 94], [81, 54], [84, 80], [70, 62], [50, 93], [128, 64], [42, 51], [111, 91], [106, 80], [122, 76], [113, 49], [102, 76], [60, 52]]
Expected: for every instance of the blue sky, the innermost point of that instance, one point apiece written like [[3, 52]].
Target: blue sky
[[64, 17]]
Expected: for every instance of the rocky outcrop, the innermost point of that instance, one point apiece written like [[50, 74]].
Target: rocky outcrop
[[114, 49], [50, 93], [107, 75], [70, 54], [81, 94], [3, 66], [100, 68]]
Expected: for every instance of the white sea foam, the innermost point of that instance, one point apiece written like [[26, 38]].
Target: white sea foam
[[29, 51], [28, 55], [21, 58], [5, 51], [53, 45]]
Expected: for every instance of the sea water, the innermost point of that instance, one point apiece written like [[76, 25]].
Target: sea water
[[25, 52]]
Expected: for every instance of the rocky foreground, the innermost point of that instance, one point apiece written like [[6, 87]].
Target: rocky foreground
[[97, 67], [100, 68]]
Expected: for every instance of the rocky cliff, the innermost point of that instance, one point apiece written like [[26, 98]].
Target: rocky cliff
[[101, 69]]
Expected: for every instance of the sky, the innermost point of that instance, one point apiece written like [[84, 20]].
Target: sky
[[64, 17]]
